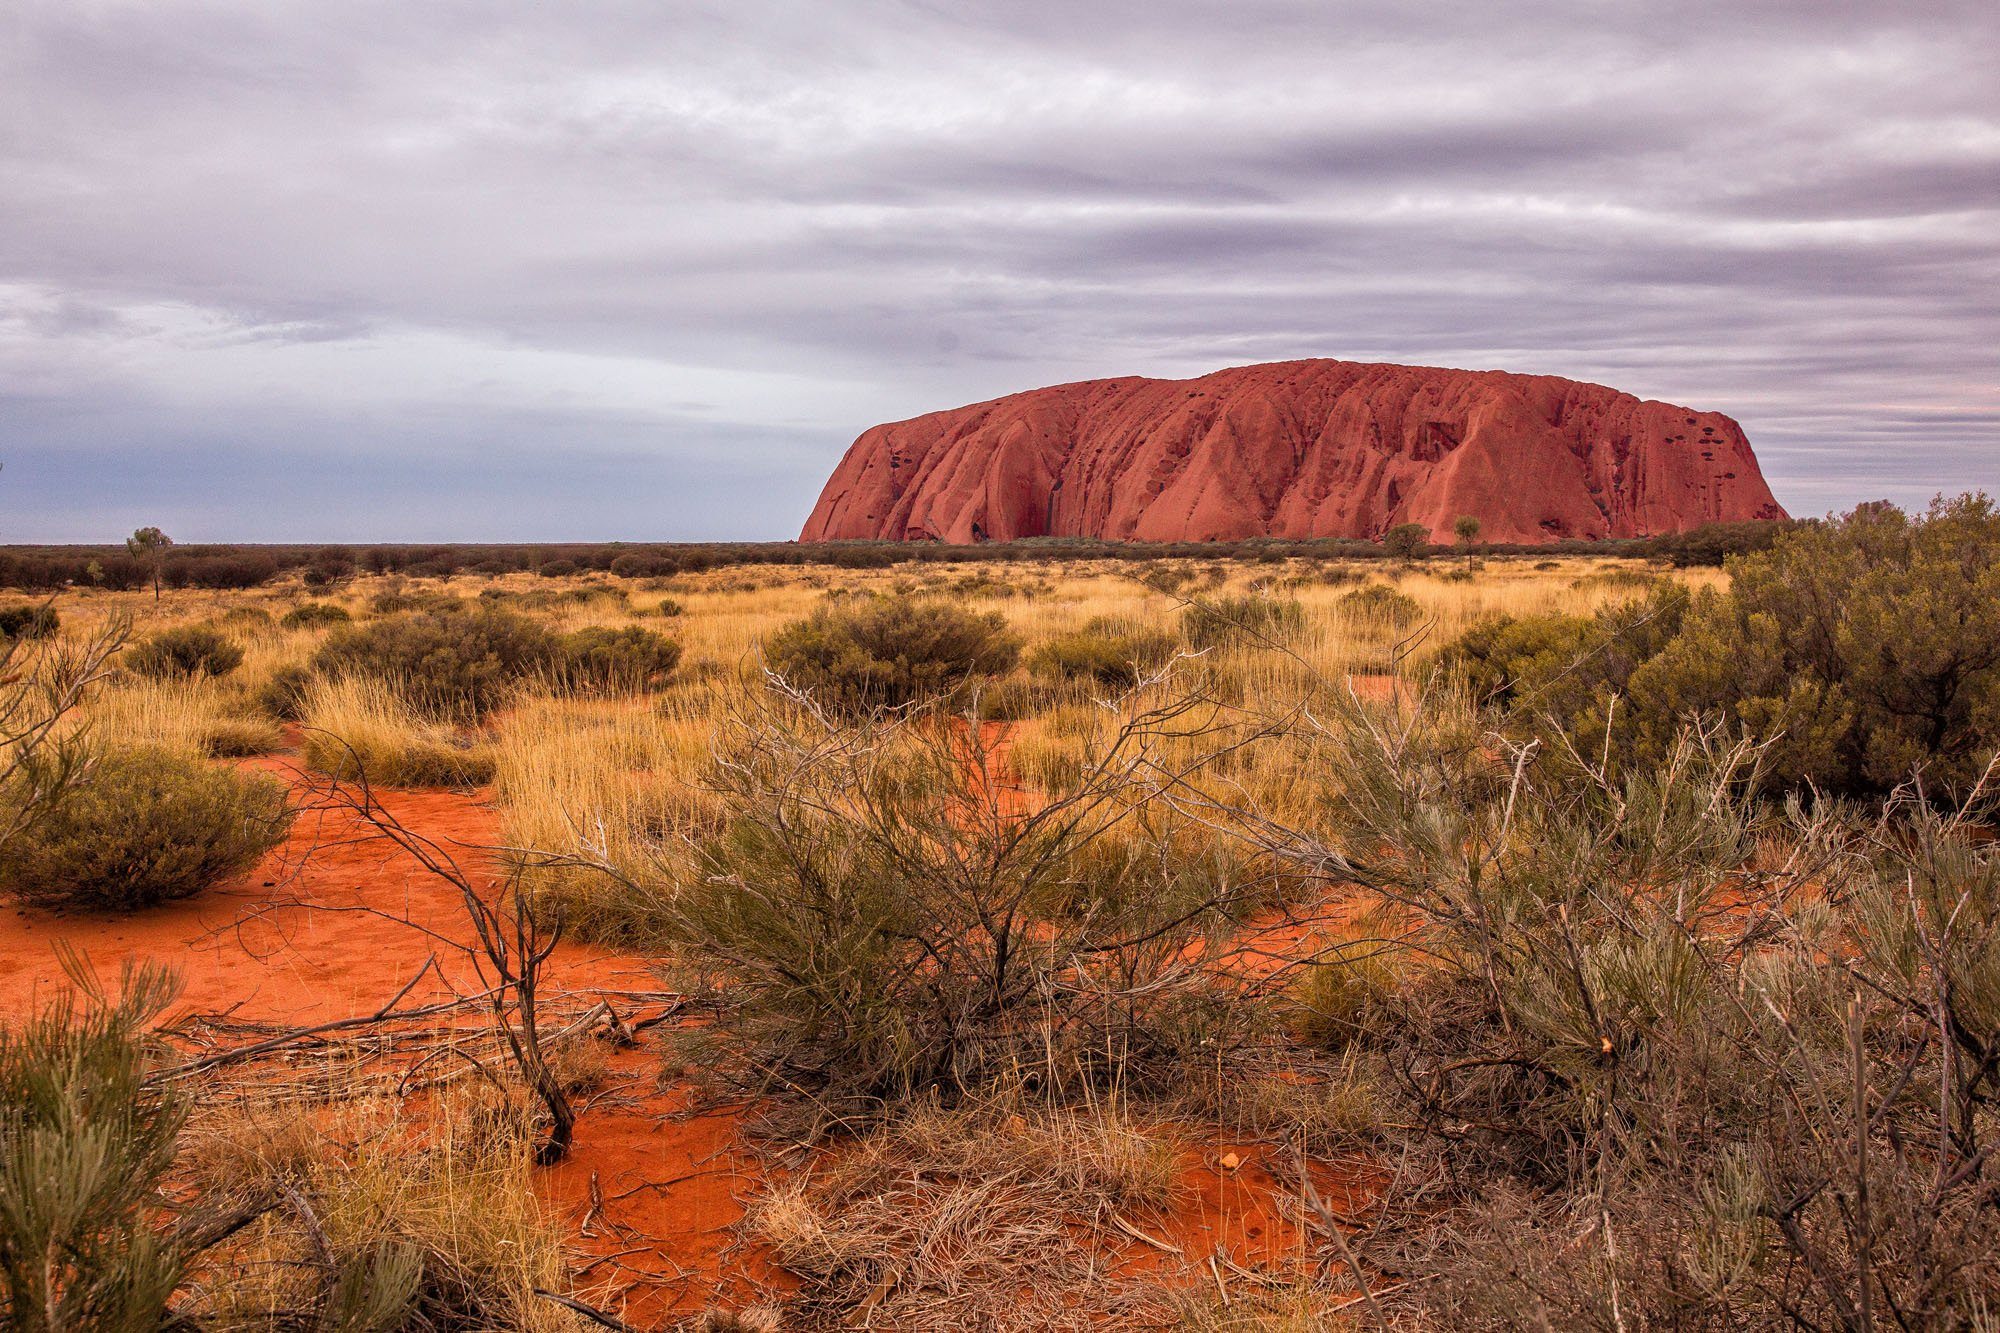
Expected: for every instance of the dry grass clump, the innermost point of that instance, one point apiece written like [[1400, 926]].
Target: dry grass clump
[[1106, 650], [377, 1214], [357, 727], [614, 784], [968, 1218], [143, 827]]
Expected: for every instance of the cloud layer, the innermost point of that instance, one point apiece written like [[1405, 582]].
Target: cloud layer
[[492, 269]]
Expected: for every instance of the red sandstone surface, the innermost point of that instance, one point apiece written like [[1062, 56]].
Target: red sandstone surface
[[1297, 449]]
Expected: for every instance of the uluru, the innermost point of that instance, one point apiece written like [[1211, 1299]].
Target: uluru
[[1297, 449]]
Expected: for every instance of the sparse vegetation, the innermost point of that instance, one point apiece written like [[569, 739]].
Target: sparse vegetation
[[310, 615], [1440, 944]]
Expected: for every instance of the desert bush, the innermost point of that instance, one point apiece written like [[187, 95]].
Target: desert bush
[[885, 916], [1252, 618], [613, 661], [143, 827], [312, 615], [670, 608], [1382, 604], [186, 651], [869, 652], [1106, 650], [557, 569], [1867, 649], [357, 727], [29, 622], [457, 663], [1663, 1036], [283, 694], [86, 1141], [1861, 651]]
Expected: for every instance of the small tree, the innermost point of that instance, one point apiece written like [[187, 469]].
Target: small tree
[[149, 546], [1405, 540], [1467, 529]]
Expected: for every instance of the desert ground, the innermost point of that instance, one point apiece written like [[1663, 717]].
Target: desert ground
[[1126, 974]]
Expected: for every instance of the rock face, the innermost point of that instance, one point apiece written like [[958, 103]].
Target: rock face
[[1297, 449]]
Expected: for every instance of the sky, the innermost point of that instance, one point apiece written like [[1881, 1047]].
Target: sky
[[434, 270]]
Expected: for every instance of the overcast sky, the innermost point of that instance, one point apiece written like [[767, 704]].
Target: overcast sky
[[487, 269]]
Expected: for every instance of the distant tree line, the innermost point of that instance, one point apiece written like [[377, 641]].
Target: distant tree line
[[246, 566]]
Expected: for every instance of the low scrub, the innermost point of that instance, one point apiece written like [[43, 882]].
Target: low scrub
[[1863, 651], [459, 664], [143, 827], [187, 651], [885, 917], [1648, 1041], [39, 621], [863, 653], [1107, 651], [1380, 604], [602, 660], [313, 615], [86, 1141], [357, 728], [1253, 618]]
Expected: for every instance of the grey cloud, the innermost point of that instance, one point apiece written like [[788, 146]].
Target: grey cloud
[[369, 233]]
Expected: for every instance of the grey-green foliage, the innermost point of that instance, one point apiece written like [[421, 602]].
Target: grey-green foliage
[[1672, 1051], [1859, 651], [884, 916], [84, 1144], [862, 653], [1865, 649]]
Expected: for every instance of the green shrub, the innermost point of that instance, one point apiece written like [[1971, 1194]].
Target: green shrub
[[1382, 604], [85, 1144], [669, 607], [283, 696], [311, 615], [1215, 622], [190, 650], [29, 622], [1863, 650], [870, 652], [1106, 650], [1866, 649], [143, 827], [459, 663], [557, 569], [1559, 675], [607, 660]]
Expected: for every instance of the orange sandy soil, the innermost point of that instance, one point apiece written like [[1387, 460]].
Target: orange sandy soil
[[333, 924]]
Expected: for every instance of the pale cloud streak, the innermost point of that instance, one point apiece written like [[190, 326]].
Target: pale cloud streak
[[492, 270]]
